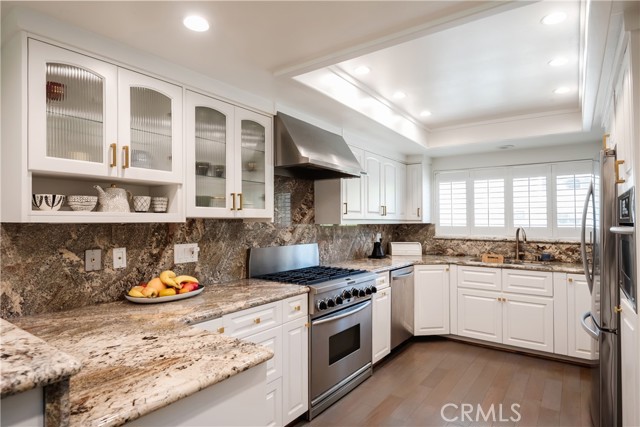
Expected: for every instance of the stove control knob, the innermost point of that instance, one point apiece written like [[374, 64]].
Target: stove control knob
[[322, 305], [331, 302], [362, 293], [339, 299], [367, 290], [374, 289], [355, 293], [346, 294]]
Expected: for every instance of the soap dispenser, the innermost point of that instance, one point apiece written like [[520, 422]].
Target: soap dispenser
[[377, 247]]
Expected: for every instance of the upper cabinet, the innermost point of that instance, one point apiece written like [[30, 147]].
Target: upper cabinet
[[91, 118], [229, 160], [353, 192]]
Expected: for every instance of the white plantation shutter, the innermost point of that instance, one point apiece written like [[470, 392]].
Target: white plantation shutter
[[451, 202], [531, 199], [571, 191], [488, 202]]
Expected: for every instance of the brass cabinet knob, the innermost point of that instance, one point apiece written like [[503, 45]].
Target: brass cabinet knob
[[297, 308], [617, 309], [221, 330], [570, 279], [256, 320]]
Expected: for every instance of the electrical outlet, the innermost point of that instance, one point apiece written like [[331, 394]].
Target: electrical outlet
[[185, 253], [119, 258], [93, 259]]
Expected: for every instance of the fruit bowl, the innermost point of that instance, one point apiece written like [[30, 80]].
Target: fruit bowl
[[144, 300]]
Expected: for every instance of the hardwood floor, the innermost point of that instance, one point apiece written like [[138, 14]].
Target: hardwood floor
[[411, 388]]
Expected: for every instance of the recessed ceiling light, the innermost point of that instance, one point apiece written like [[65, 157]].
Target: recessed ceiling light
[[558, 62], [363, 69], [425, 113], [506, 147], [554, 18], [196, 23], [562, 90], [399, 95]]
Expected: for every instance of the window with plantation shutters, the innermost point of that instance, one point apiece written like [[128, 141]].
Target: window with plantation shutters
[[488, 202], [571, 191], [453, 204], [530, 202]]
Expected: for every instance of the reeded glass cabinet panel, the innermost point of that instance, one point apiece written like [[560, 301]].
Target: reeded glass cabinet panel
[[75, 113], [150, 129], [252, 158], [211, 157]]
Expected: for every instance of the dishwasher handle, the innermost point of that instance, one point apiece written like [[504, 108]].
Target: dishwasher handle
[[402, 276]]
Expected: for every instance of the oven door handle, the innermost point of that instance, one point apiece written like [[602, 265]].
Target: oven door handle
[[622, 230], [341, 315]]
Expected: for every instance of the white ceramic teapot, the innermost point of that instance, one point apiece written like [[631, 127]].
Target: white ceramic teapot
[[113, 199]]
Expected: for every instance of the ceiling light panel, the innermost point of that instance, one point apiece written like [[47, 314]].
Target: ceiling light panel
[[558, 62], [562, 90], [554, 18], [399, 95], [196, 23], [362, 70]]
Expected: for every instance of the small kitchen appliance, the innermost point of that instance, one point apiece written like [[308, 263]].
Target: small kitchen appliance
[[377, 248], [340, 311]]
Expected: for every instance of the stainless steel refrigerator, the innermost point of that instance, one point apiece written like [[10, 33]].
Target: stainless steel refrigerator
[[601, 269]]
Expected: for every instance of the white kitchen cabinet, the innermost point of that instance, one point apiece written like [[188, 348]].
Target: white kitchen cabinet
[[431, 309], [622, 125], [295, 378], [385, 182], [401, 191], [242, 324], [353, 192], [483, 278], [373, 180], [90, 118], [418, 191], [528, 321], [271, 339], [274, 403], [630, 351], [24, 409], [480, 314], [527, 282], [229, 160], [579, 343], [381, 319]]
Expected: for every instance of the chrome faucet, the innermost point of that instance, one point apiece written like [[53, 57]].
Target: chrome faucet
[[524, 240]]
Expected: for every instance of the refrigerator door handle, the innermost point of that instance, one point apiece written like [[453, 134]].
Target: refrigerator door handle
[[622, 230], [593, 333], [583, 243]]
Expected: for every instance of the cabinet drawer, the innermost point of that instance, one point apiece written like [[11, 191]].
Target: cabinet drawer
[[527, 282], [382, 281], [479, 278], [215, 325], [295, 307], [251, 321]]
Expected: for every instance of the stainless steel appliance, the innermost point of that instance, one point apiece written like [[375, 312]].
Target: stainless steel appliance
[[627, 246], [401, 305], [601, 271], [340, 312]]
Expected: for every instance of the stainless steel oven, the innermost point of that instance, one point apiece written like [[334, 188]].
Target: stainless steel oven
[[340, 354], [627, 246]]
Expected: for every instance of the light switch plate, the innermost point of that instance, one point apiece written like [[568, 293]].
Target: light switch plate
[[187, 252], [119, 258], [93, 259]]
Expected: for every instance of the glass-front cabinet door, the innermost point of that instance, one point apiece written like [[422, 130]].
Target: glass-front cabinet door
[[150, 131], [72, 112], [210, 142], [254, 164]]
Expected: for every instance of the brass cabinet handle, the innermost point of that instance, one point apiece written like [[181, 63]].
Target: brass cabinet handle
[[307, 325], [384, 210], [604, 141], [499, 299], [241, 202], [256, 320], [418, 212], [233, 199], [446, 269], [297, 308], [618, 309], [345, 208], [504, 300], [221, 330], [618, 180], [570, 279], [126, 157], [114, 155]]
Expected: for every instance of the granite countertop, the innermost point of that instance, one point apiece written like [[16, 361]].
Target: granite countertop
[[28, 362], [137, 358], [393, 262]]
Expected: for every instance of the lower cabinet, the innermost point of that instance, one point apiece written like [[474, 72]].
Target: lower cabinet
[[381, 319], [24, 409], [431, 302], [480, 315], [579, 343], [630, 350], [283, 327]]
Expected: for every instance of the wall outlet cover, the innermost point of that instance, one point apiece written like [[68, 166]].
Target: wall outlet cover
[[119, 258], [93, 259], [187, 252]]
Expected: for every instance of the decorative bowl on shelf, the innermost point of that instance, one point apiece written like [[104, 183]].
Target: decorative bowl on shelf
[[252, 166], [202, 168], [159, 204], [216, 170], [141, 203], [47, 202], [82, 203]]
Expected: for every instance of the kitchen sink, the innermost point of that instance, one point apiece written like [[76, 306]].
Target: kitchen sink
[[511, 261]]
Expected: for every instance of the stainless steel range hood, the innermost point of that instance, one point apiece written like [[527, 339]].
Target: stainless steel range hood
[[306, 151]]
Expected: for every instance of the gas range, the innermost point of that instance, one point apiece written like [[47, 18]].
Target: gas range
[[332, 288]]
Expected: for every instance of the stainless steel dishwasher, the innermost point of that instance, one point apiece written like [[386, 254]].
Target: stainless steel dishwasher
[[401, 305]]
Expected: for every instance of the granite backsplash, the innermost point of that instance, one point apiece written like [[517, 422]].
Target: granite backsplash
[[42, 265]]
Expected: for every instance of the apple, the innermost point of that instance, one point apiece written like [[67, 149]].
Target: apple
[[156, 284]]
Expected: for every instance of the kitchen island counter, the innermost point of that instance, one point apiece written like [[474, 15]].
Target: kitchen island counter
[[137, 358], [392, 262]]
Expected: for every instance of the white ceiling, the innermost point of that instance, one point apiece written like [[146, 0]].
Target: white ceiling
[[465, 61]]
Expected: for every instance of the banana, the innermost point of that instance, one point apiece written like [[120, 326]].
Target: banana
[[182, 279], [135, 293], [167, 277]]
